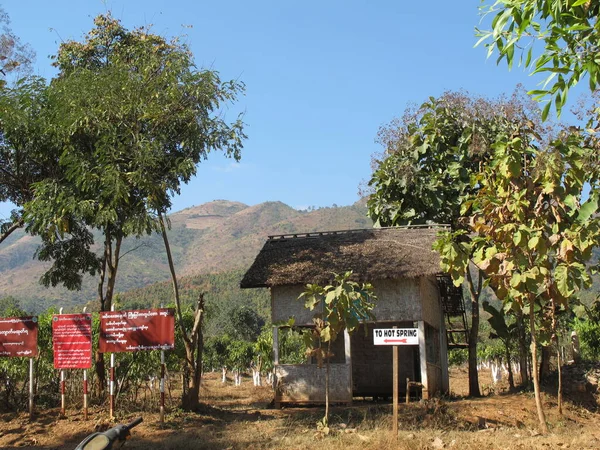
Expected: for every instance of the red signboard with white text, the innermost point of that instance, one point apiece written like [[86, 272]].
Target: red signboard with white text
[[142, 329], [72, 341], [18, 336]]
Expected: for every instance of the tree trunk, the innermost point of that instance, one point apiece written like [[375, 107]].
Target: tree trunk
[[560, 390], [474, 334], [15, 226], [545, 362], [194, 341], [558, 357], [536, 380], [523, 353], [110, 265], [511, 379]]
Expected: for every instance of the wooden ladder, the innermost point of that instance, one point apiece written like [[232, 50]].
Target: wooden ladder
[[453, 307]]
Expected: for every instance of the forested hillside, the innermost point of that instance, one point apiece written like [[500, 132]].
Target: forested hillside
[[213, 238], [224, 300]]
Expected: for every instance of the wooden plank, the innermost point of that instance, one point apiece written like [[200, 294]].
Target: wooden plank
[[423, 359], [395, 377]]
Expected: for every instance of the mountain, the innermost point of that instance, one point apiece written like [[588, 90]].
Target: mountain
[[219, 236]]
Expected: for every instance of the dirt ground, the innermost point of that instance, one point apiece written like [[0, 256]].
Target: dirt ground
[[240, 418]]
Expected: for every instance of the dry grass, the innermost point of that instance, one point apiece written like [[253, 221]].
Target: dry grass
[[239, 418]]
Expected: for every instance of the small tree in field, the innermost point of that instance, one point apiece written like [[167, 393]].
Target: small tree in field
[[344, 304], [133, 116], [534, 228], [425, 175]]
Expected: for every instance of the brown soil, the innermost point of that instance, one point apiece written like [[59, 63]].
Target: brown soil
[[240, 418]]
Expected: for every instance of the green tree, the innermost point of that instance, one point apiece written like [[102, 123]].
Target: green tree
[[534, 229], [19, 108], [239, 357], [345, 304], [10, 307], [505, 332], [27, 151], [568, 32], [263, 352], [244, 323], [588, 332], [425, 173], [15, 56], [136, 117], [216, 351]]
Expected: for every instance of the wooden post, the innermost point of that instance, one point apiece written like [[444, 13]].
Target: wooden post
[[423, 360], [275, 345], [410, 384], [275, 364], [62, 384], [395, 390], [85, 387], [62, 392], [30, 388], [348, 355], [443, 348], [395, 364], [162, 387], [111, 408], [85, 395]]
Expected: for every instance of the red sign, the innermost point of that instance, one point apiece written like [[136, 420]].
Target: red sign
[[142, 329], [72, 341], [18, 336]]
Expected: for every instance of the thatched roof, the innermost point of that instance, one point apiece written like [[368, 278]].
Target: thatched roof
[[373, 254]]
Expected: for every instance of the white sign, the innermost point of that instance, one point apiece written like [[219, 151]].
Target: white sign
[[396, 336]]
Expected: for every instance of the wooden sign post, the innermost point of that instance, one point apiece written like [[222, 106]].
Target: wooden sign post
[[72, 346], [18, 338], [137, 330], [395, 337], [395, 369]]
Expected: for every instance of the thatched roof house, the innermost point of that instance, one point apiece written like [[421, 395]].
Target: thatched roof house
[[403, 269], [372, 254]]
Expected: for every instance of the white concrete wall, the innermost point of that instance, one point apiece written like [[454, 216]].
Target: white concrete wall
[[397, 300], [285, 304], [306, 383], [432, 308], [407, 300]]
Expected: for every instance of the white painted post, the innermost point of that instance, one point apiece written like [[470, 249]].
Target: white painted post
[[162, 385], [62, 384], [85, 395], [348, 355], [275, 345], [444, 353], [30, 388], [423, 359], [275, 364], [62, 392], [111, 411], [85, 387]]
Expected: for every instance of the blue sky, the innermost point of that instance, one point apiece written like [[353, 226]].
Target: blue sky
[[321, 78]]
